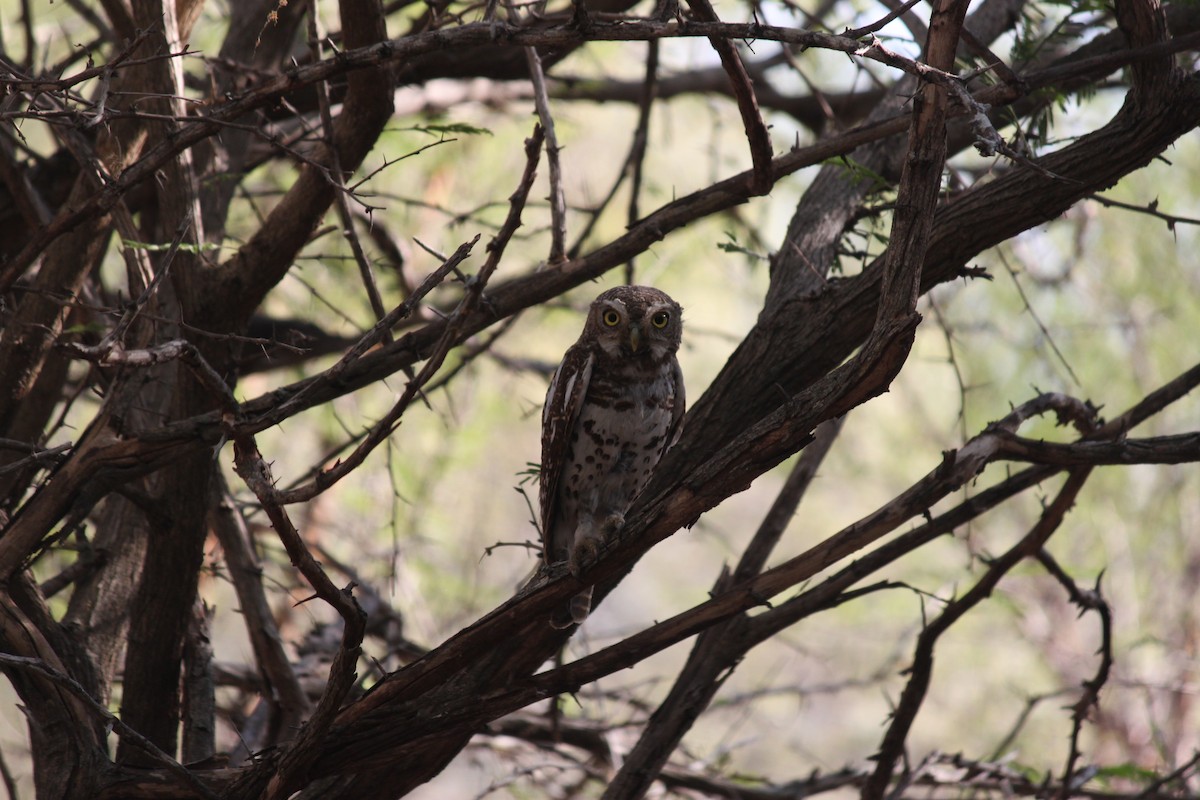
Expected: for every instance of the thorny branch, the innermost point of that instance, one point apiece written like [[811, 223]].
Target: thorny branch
[[1150, 209], [471, 300], [957, 468], [465, 36], [1086, 600], [293, 767], [921, 671]]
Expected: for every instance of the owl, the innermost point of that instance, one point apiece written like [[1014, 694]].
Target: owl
[[613, 408]]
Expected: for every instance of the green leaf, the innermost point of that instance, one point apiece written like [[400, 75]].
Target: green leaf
[[185, 247], [530, 473], [452, 127], [87, 327], [1127, 771], [859, 172], [732, 246]]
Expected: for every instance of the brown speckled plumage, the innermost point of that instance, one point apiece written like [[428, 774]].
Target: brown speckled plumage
[[613, 408]]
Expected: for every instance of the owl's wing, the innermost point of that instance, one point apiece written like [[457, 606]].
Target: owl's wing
[[679, 408], [564, 399]]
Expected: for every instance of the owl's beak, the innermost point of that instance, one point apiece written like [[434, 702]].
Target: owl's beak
[[635, 338]]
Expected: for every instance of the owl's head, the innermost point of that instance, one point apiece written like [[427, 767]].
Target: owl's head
[[635, 321]]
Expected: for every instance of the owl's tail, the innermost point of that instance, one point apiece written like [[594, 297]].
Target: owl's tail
[[574, 612]]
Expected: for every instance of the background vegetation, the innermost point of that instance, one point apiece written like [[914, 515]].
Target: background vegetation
[[207, 432]]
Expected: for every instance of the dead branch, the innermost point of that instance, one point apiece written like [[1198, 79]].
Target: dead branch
[[921, 671]]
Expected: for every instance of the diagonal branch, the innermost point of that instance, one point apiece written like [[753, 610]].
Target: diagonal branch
[[450, 337], [286, 696], [921, 672], [722, 646], [494, 653], [338, 178], [957, 469], [558, 200], [292, 769], [743, 92]]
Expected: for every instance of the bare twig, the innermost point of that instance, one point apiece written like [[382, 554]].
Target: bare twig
[[1087, 600], [249, 464], [743, 91], [1038, 321], [635, 161], [384, 428], [921, 672], [338, 178], [558, 201], [39, 456], [897, 10], [1150, 209]]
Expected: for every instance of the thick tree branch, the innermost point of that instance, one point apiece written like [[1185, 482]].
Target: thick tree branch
[[526, 612]]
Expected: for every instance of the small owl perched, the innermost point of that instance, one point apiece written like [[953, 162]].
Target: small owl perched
[[613, 408]]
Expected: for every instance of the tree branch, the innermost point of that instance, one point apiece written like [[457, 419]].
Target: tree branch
[[921, 671]]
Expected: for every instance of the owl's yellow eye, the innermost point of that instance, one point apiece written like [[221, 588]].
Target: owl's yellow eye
[[611, 318], [660, 319]]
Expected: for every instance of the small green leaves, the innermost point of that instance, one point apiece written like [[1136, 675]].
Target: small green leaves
[[451, 128], [185, 247]]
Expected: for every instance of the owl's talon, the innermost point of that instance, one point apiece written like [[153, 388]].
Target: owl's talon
[[584, 556], [612, 525]]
